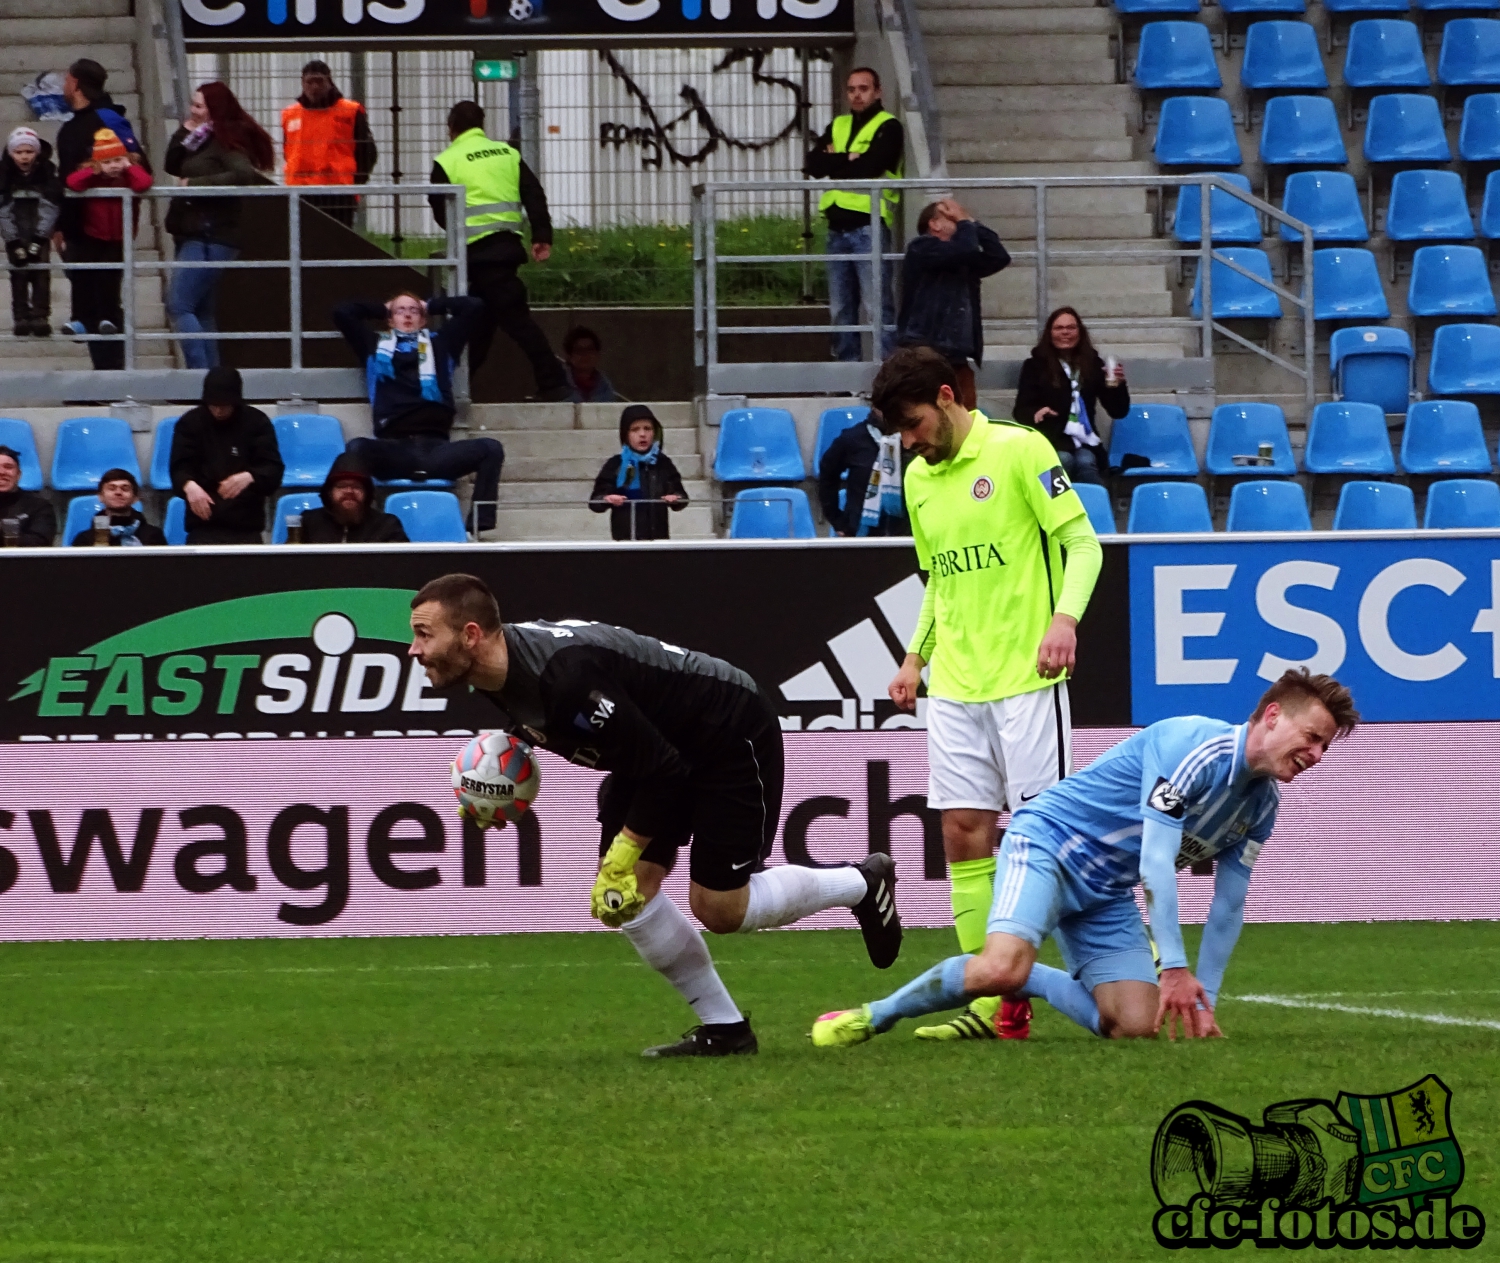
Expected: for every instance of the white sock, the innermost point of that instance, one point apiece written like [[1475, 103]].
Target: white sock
[[790, 892], [667, 942]]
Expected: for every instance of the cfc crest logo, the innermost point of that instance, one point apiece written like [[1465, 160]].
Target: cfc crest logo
[[1376, 1172], [982, 489]]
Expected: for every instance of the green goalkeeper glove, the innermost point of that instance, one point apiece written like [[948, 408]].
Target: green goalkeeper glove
[[615, 898]]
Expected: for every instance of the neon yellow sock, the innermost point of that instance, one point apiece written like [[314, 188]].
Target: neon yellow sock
[[972, 886]]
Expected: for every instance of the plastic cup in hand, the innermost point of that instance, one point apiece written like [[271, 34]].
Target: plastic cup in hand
[[10, 532], [294, 528], [1111, 371], [101, 531]]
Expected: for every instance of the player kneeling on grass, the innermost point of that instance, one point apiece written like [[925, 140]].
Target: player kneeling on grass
[[693, 751], [1177, 793]]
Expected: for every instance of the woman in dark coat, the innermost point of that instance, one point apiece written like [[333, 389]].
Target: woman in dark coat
[[1062, 387], [641, 472]]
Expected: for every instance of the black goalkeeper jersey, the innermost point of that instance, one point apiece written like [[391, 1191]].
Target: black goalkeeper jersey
[[612, 699]]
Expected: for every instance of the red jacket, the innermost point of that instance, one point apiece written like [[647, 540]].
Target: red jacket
[[101, 216]]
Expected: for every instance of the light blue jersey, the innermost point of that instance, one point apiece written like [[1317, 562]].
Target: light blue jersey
[[1187, 773]]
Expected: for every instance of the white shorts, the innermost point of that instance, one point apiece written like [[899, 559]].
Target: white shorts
[[990, 756]]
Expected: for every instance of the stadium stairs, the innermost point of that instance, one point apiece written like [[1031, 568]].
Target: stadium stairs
[[41, 35]]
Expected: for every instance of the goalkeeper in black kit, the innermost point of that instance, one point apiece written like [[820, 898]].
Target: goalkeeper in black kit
[[693, 751]]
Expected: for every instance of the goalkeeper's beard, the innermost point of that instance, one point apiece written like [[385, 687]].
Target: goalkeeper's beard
[[449, 670]]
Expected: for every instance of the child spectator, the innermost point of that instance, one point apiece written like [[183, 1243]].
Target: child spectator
[[128, 528], [641, 472], [586, 381], [96, 294], [31, 198]]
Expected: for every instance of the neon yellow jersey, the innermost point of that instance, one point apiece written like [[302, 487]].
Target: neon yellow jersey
[[985, 524]]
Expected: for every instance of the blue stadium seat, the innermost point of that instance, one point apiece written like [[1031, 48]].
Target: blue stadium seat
[[292, 502], [1159, 508], [161, 454], [1101, 512], [1237, 297], [831, 423], [1152, 8], [1196, 131], [1405, 127], [1479, 133], [1302, 131], [80, 516], [758, 444], [1450, 6], [1444, 436], [1159, 432], [17, 436], [1372, 366], [1375, 506], [429, 517], [1367, 6], [1489, 211], [1238, 429], [1267, 506], [1346, 285], [1328, 203], [1450, 281], [310, 442], [1263, 6], [1348, 438], [1385, 53], [1428, 206], [1470, 55], [1235, 222], [1458, 504], [1465, 360], [1281, 56], [174, 525], [1096, 503], [771, 513], [1176, 55], [85, 447]]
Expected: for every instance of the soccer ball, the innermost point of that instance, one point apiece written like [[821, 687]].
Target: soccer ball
[[520, 10], [495, 778]]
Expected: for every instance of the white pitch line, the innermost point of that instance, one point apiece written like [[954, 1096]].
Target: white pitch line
[[1436, 1019]]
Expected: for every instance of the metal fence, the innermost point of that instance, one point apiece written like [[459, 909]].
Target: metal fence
[[711, 263]]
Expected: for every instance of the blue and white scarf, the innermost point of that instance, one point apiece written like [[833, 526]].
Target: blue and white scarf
[[421, 343], [629, 477], [125, 536], [883, 494], [1079, 428]]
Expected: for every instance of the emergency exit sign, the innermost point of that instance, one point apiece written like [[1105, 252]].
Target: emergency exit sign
[[494, 71]]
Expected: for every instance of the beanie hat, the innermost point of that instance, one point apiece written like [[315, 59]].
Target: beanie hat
[[108, 146], [23, 138], [223, 385]]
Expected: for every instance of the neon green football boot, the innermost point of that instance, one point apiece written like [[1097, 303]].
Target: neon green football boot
[[843, 1029], [975, 1022]]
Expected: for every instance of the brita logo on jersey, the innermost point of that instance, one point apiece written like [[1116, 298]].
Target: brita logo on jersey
[[264, 658], [1376, 1172]]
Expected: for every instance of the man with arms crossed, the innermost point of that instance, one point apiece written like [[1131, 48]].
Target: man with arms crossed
[[991, 513], [693, 751], [1177, 793]]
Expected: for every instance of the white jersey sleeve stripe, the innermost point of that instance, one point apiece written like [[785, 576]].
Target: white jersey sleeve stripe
[[1199, 758]]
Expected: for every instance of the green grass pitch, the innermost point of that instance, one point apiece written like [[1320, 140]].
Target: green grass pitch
[[436, 1100]]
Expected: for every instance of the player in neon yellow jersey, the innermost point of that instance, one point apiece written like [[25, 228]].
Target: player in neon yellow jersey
[[991, 512]]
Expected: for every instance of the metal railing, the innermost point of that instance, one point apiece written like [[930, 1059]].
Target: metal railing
[[708, 260], [132, 266]]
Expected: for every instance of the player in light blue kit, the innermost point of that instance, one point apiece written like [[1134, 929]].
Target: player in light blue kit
[[1176, 793]]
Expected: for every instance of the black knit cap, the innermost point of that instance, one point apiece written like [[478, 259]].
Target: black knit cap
[[11, 452], [223, 385]]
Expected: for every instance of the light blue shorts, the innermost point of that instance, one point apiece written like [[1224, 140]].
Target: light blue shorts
[[1101, 937]]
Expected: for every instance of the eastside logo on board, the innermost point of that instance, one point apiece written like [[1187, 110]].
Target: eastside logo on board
[[1377, 1172]]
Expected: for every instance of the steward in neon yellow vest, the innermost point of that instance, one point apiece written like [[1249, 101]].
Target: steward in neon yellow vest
[[845, 140], [490, 171]]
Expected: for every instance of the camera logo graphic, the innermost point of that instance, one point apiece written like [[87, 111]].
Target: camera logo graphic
[[1362, 1172]]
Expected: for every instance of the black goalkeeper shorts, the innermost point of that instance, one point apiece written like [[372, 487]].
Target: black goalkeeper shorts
[[728, 815]]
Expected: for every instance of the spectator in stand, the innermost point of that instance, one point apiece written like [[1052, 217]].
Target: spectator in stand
[[327, 141], [31, 198], [867, 466], [1062, 387], [640, 485], [940, 306], [220, 144], [128, 528], [225, 463], [409, 370], [349, 515], [497, 186], [586, 380], [35, 522], [93, 110], [865, 144]]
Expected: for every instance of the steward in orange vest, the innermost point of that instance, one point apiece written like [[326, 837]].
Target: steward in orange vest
[[327, 140]]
